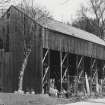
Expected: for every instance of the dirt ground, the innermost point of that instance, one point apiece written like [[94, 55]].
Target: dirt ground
[[18, 99], [89, 101]]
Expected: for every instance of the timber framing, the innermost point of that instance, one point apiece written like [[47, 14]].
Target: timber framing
[[71, 59]]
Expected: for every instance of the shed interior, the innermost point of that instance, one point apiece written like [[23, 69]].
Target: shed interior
[[68, 71]]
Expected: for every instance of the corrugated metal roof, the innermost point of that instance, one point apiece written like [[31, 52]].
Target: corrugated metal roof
[[69, 30]]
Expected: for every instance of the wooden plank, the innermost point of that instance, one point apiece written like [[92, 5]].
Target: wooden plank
[[87, 84], [73, 45]]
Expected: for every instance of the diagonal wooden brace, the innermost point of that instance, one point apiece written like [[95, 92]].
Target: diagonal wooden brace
[[94, 75], [79, 62], [80, 74], [45, 55], [93, 63], [64, 58], [46, 71], [65, 72]]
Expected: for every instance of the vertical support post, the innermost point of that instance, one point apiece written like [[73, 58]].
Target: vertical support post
[[61, 64], [97, 85], [68, 82], [46, 58], [61, 68], [76, 82], [91, 77], [84, 76], [42, 73], [102, 82], [103, 69], [43, 36], [49, 70], [77, 64], [84, 67]]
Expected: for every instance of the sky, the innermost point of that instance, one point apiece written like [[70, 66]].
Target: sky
[[61, 10]]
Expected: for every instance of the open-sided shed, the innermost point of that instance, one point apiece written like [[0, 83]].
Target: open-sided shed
[[58, 51]]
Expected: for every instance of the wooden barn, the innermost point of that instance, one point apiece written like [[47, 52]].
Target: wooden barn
[[67, 55]]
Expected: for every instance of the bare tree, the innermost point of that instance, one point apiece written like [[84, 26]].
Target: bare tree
[[97, 11], [36, 14], [5, 4], [86, 24]]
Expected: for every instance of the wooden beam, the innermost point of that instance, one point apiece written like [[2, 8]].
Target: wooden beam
[[91, 76], [76, 78], [46, 71], [92, 68], [64, 58], [45, 55], [80, 74], [61, 63], [49, 70], [79, 62], [61, 68], [95, 72], [65, 72], [93, 64], [94, 75], [87, 84]]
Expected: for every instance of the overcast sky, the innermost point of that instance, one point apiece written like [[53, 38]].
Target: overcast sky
[[62, 10]]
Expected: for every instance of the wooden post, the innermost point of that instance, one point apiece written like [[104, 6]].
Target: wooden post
[[49, 70], [78, 63], [76, 82], [97, 84], [43, 56], [102, 82], [61, 68], [87, 84], [91, 77], [68, 82], [46, 55], [63, 60], [61, 64], [84, 76], [103, 70]]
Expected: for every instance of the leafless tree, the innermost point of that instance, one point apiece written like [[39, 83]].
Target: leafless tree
[[96, 10], [35, 13], [5, 4]]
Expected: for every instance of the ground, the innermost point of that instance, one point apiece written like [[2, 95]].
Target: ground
[[18, 99], [90, 102]]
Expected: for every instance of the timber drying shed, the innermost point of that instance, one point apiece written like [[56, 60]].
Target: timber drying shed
[[72, 58]]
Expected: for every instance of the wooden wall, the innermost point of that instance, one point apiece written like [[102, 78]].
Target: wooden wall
[[22, 28], [19, 28], [66, 43], [33, 73], [5, 74]]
